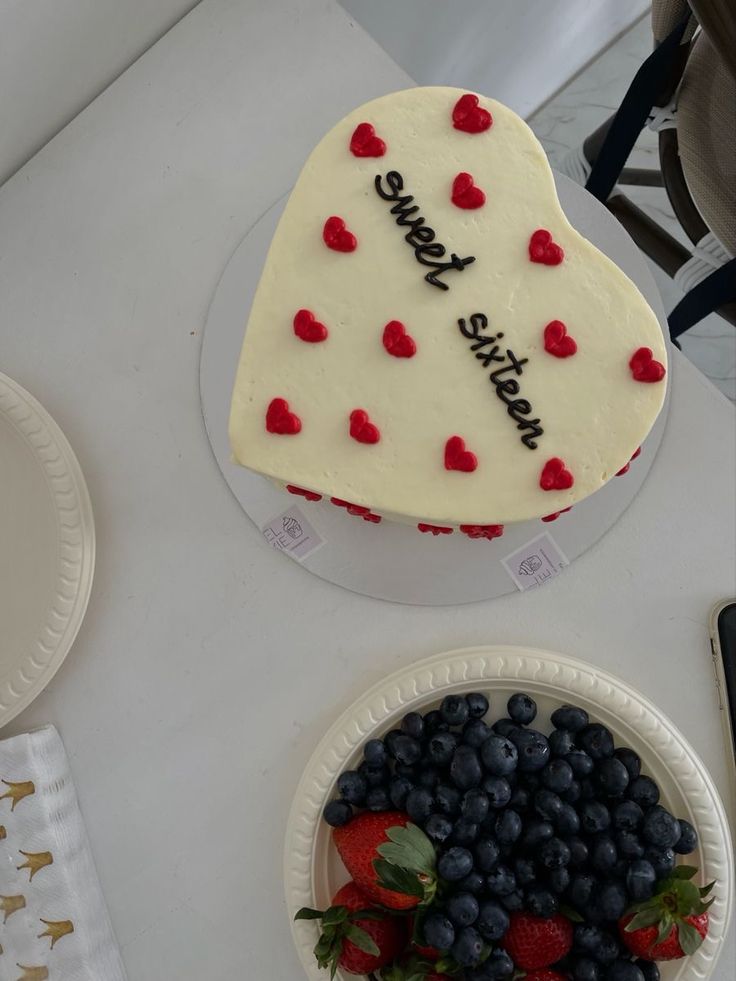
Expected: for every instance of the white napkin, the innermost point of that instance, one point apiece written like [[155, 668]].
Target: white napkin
[[56, 922]]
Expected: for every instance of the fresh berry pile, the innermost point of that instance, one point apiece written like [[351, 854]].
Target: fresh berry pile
[[482, 851]]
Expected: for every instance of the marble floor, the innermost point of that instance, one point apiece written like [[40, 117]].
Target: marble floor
[[576, 111]]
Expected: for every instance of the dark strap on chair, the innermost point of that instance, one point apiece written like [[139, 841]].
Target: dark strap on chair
[[712, 292], [632, 115]]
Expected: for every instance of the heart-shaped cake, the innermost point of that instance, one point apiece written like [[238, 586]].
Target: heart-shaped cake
[[431, 341]]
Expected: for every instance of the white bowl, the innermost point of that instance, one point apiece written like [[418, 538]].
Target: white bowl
[[312, 869]]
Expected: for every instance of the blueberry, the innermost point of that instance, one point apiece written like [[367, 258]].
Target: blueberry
[[390, 738], [566, 821], [473, 882], [581, 889], [514, 901], [529, 781], [594, 817], [497, 791], [557, 776], [622, 970], [504, 727], [525, 871], [428, 776], [660, 828], [643, 791], [688, 840], [433, 722], [520, 799], [533, 749], [477, 705], [337, 813], [438, 827], [570, 717], [587, 789], [455, 864], [493, 920], [438, 931], [406, 749], [500, 881], [620, 869], [649, 969], [375, 776], [522, 709], [352, 787], [662, 860], [547, 804], [627, 816], [475, 805], [465, 768], [578, 851], [374, 752], [377, 799], [561, 742], [587, 938], [419, 804], [486, 854], [508, 827], [413, 725], [641, 880], [612, 777], [628, 845], [558, 880], [536, 831], [582, 765], [499, 756], [611, 900], [475, 733], [608, 949], [465, 832], [586, 969], [440, 747], [498, 966], [404, 770], [462, 909], [468, 947], [573, 793], [553, 854], [630, 760], [540, 901], [454, 710], [447, 800], [398, 791], [596, 740], [603, 854]]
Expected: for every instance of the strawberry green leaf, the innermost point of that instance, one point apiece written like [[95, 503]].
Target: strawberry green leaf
[[362, 940], [647, 917], [397, 879], [688, 898], [571, 914], [409, 848], [367, 914], [684, 872], [665, 927], [308, 914], [706, 906], [334, 915], [706, 889], [689, 937]]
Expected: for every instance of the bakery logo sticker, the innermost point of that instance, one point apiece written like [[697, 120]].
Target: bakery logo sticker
[[291, 532], [536, 562]]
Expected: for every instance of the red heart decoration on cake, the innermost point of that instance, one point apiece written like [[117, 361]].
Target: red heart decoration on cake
[[365, 143], [465, 194], [543, 249], [397, 342], [555, 476], [457, 457], [310, 495], [469, 117], [337, 237], [307, 328], [555, 516], [373, 518], [280, 420], [482, 531], [557, 341], [644, 368], [362, 429], [434, 529], [350, 508], [625, 468]]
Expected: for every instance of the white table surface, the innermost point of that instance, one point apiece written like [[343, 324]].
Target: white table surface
[[209, 665]]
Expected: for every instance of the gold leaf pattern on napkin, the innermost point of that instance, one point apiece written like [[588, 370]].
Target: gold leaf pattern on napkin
[[3, 832], [35, 861], [17, 791], [10, 905], [33, 973], [56, 929]]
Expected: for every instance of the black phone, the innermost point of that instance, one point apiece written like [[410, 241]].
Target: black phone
[[723, 645]]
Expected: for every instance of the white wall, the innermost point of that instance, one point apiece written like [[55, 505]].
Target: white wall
[[57, 55], [517, 51]]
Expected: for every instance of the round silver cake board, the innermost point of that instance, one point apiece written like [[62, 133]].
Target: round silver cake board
[[391, 561]]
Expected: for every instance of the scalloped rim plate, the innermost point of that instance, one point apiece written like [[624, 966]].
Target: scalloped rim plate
[[312, 871], [28, 670]]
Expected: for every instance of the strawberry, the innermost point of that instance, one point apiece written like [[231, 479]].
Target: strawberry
[[392, 860], [670, 925], [545, 974], [355, 937], [535, 941]]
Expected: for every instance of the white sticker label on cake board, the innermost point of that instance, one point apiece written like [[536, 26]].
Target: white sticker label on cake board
[[536, 562], [291, 532]]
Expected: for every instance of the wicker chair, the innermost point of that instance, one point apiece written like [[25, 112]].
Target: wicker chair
[[686, 91]]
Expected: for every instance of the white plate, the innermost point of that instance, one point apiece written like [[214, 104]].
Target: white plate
[[47, 548], [312, 870]]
